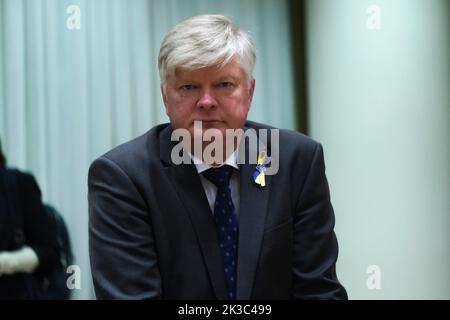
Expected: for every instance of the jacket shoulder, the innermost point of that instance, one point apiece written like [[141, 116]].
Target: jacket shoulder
[[138, 150], [23, 178], [289, 139]]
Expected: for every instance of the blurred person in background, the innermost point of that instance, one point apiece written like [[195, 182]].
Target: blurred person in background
[[27, 244]]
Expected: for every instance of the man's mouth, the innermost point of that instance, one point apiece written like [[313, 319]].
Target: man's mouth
[[208, 121]]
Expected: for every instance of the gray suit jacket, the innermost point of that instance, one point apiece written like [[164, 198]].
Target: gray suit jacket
[[152, 233]]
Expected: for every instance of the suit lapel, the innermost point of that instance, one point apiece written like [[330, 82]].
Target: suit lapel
[[190, 190], [252, 216]]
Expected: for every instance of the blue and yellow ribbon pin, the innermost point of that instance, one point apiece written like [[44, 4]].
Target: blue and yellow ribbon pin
[[261, 166]]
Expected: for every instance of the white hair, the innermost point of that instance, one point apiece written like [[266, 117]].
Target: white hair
[[204, 41]]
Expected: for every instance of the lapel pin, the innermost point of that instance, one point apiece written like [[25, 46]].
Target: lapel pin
[[261, 166]]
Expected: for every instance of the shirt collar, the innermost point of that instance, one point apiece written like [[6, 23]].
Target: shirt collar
[[201, 166]]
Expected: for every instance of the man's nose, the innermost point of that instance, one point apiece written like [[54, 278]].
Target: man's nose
[[206, 101]]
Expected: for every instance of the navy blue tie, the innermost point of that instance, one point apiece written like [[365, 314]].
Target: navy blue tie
[[226, 222]]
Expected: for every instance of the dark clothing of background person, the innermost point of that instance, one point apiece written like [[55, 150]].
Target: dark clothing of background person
[[23, 204]]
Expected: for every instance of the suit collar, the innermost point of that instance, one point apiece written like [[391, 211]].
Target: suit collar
[[190, 190], [252, 216]]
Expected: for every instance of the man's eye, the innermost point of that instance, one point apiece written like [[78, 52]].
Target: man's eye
[[187, 87], [225, 84]]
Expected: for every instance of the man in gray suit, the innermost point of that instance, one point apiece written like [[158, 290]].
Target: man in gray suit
[[215, 228]]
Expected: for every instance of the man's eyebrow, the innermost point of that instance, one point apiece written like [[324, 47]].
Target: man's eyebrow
[[228, 77], [190, 81]]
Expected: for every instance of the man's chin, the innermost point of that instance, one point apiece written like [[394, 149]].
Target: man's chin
[[212, 127], [209, 127]]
